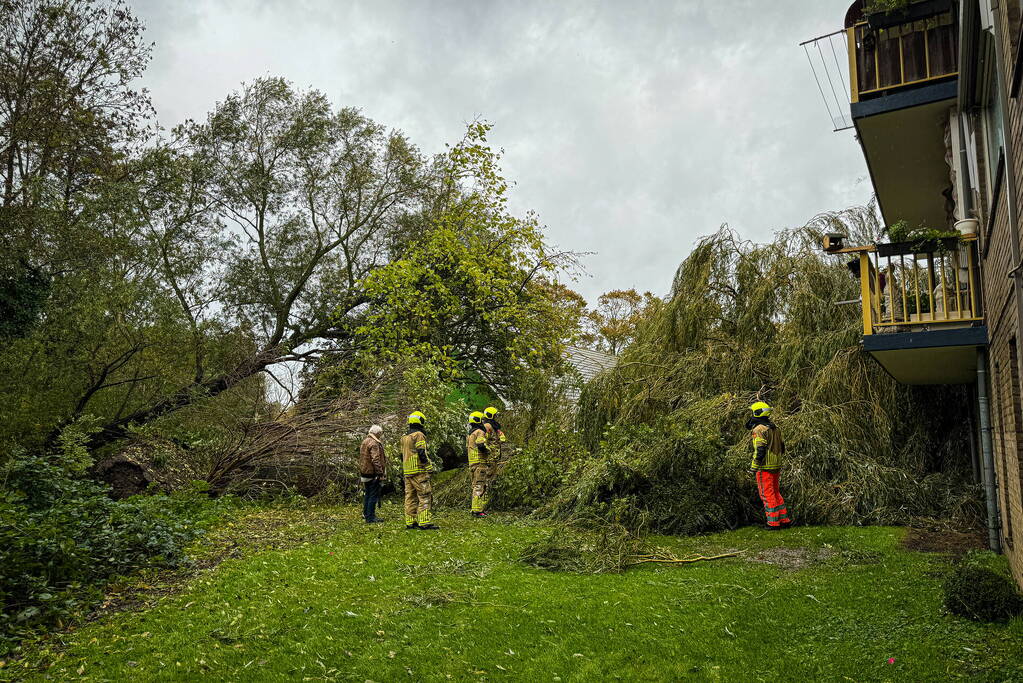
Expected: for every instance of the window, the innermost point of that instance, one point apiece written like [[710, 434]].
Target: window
[[994, 142]]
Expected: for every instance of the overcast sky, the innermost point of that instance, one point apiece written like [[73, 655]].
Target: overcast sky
[[632, 128]]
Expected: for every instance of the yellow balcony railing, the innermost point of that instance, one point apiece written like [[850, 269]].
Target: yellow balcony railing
[[907, 54], [907, 287]]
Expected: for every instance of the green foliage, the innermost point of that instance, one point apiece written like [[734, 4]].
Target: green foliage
[[747, 321], [900, 231], [665, 476], [470, 291], [22, 296], [62, 537], [536, 472], [979, 589], [886, 6]]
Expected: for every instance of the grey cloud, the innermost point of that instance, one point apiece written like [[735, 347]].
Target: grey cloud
[[631, 127]]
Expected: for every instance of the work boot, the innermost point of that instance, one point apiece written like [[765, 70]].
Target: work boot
[[413, 525], [428, 527], [768, 527], [375, 520], [479, 514]]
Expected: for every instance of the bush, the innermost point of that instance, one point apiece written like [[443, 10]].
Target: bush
[[62, 536], [981, 593]]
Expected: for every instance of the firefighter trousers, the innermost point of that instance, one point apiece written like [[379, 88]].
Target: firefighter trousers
[[774, 504], [418, 498], [480, 474]]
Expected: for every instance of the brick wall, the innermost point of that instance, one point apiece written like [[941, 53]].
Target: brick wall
[[1001, 314]]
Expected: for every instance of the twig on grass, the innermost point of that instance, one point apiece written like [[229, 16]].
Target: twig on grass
[[665, 557]]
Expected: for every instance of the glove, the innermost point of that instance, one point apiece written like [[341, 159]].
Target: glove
[[502, 438]]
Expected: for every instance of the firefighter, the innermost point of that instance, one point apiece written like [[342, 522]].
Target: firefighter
[[495, 441], [416, 467], [768, 448], [479, 463]]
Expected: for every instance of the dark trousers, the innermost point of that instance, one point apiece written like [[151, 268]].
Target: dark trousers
[[369, 503]]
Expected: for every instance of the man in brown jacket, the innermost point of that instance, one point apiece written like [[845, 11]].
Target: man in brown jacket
[[372, 472]]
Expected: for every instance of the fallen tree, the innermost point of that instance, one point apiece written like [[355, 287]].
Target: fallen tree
[[747, 321]]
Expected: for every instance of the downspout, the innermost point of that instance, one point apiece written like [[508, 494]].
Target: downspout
[[988, 469], [971, 424]]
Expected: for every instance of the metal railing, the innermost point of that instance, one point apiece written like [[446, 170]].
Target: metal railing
[[904, 287], [902, 55]]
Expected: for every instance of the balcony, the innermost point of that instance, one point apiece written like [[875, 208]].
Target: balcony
[[886, 59], [903, 81], [922, 308]]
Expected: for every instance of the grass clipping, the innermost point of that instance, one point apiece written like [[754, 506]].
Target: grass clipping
[[748, 321]]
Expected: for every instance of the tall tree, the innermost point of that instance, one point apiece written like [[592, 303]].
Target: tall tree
[[612, 324], [274, 212], [472, 291]]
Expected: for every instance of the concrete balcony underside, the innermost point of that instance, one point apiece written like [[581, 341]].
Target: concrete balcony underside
[[945, 356], [902, 135]]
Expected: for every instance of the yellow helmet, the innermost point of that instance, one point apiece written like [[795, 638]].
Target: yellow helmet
[[416, 418], [490, 412], [760, 409], [476, 418]]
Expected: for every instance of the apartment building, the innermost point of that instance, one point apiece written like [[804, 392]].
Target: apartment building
[[936, 103]]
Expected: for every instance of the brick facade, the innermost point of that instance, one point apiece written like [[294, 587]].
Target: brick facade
[[1001, 309]]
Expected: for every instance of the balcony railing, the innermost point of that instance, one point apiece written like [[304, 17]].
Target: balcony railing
[[907, 54], [909, 287]]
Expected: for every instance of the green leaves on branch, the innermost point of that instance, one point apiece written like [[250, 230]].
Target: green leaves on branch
[[472, 290]]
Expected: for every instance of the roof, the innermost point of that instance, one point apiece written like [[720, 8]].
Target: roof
[[588, 363]]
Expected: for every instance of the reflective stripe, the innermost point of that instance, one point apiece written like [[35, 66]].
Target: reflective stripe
[[421, 444], [776, 509]]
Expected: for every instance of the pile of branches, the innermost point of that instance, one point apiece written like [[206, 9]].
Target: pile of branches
[[249, 446], [759, 321], [611, 549]]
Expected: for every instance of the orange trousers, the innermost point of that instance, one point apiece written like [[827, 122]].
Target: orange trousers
[[774, 504]]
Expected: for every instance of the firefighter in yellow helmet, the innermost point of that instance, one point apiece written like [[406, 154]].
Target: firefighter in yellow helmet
[[417, 467], [495, 441], [768, 449], [479, 463]]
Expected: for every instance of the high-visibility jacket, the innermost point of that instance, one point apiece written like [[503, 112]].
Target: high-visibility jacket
[[769, 445], [476, 445], [413, 453]]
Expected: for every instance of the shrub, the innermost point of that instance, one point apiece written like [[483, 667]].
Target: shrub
[[62, 536], [981, 593]]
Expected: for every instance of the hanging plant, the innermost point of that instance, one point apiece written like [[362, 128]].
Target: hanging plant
[[920, 239]]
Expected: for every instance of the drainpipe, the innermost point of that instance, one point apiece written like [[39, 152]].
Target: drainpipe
[[974, 455], [988, 468]]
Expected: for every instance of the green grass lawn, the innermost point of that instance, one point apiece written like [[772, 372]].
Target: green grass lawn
[[356, 603]]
